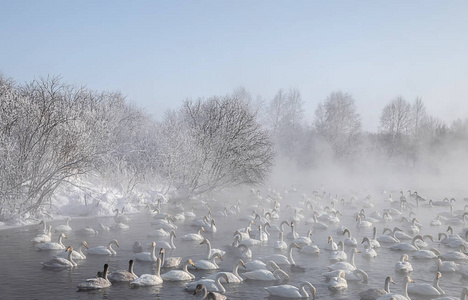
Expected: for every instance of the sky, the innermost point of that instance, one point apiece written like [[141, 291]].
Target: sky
[[159, 53]]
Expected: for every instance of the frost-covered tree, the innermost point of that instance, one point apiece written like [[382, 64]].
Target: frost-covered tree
[[339, 124], [395, 122], [212, 144]]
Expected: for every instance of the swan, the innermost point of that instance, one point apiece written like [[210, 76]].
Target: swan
[[103, 250], [332, 246], [123, 275], [404, 265], [243, 251], [280, 244], [147, 256], [212, 285], [137, 247], [168, 245], [208, 264], [317, 224], [76, 254], [149, 279], [281, 259], [339, 255], [304, 240], [362, 223], [351, 266], [445, 266], [373, 242], [43, 237], [64, 227], [455, 255], [350, 241], [263, 234], [87, 231], [120, 217], [103, 227], [211, 227], [407, 247], [166, 223], [368, 251], [195, 236], [356, 275], [234, 276], [395, 296], [96, 283], [338, 283], [310, 249], [159, 232], [463, 295], [59, 262], [280, 227], [210, 251], [266, 275], [432, 253], [170, 262], [53, 246], [426, 289], [290, 291], [292, 234], [208, 295], [389, 239], [180, 275], [372, 294], [256, 265]]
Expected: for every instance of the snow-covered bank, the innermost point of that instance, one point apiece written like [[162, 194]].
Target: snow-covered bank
[[89, 197]]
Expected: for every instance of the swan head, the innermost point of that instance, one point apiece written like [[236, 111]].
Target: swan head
[[241, 262], [63, 235], [116, 243], [365, 239], [162, 250], [190, 261], [202, 229], [199, 287], [173, 233], [69, 248], [203, 242], [84, 244]]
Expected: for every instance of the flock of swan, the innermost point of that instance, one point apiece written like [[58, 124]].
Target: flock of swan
[[274, 223]]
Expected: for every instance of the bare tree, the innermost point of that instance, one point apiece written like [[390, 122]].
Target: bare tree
[[395, 123], [338, 123]]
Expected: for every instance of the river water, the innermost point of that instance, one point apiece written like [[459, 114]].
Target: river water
[[23, 277]]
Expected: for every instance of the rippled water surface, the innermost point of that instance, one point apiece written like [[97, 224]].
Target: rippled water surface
[[23, 276]]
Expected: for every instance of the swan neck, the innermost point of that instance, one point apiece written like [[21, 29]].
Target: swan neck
[[303, 292], [387, 285], [158, 267], [208, 248], [222, 290], [405, 288], [172, 241], [290, 255], [352, 258]]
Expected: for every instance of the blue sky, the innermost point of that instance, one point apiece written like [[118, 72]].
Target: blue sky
[[159, 53]]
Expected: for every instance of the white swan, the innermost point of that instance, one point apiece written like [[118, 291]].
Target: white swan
[[195, 236], [59, 262], [76, 254], [169, 262], [180, 275], [208, 264], [147, 256], [212, 285], [243, 251], [362, 223], [64, 227], [342, 265], [53, 246], [280, 244], [331, 246], [234, 276], [394, 296], [168, 245], [339, 255], [211, 227], [407, 247], [455, 255], [103, 250], [43, 237], [290, 291], [426, 289], [149, 279], [159, 233], [350, 241], [389, 239], [368, 251], [304, 240], [356, 275], [445, 266], [210, 251], [404, 265], [426, 254], [372, 294], [266, 275], [281, 259], [123, 275], [338, 283], [96, 283]]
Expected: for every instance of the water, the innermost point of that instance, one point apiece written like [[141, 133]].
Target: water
[[23, 276]]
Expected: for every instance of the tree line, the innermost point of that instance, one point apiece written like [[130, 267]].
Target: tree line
[[51, 133]]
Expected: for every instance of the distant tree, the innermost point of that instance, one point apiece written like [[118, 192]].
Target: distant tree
[[338, 123], [394, 125]]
